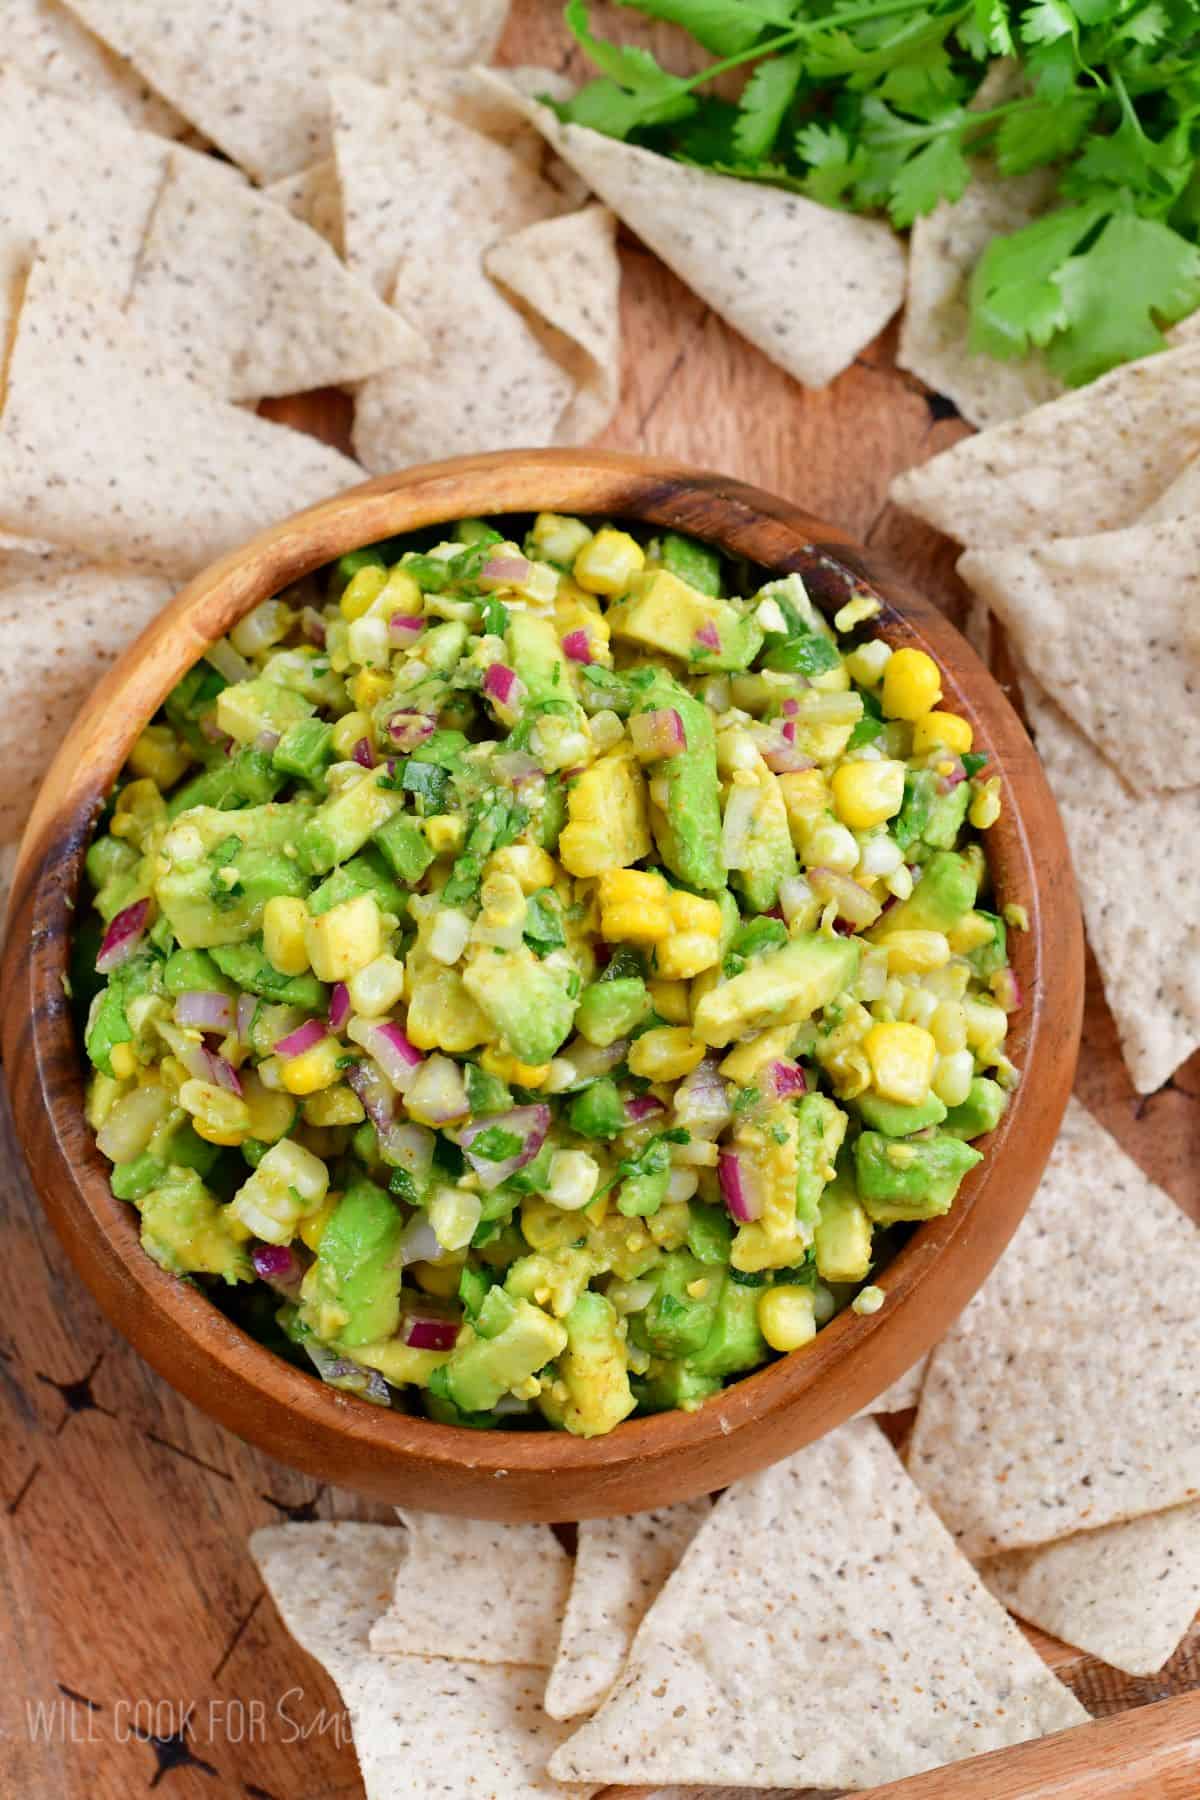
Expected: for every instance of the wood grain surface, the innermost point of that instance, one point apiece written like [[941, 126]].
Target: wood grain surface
[[137, 1648]]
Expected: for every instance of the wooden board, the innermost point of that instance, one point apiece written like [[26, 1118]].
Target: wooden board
[[138, 1648]]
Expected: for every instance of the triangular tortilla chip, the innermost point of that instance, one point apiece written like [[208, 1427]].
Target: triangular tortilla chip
[[62, 621], [422, 1726], [315, 198], [1180, 500], [621, 1566], [251, 74], [1127, 1593], [822, 1629], [1066, 1396], [106, 449], [809, 285], [1134, 856], [43, 42], [1110, 626], [250, 301], [1091, 461], [477, 1591]]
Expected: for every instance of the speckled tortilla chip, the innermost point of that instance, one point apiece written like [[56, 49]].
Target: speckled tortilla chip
[[809, 285], [1110, 626], [823, 1630], [1181, 500], [1091, 461], [477, 1591], [62, 621], [1066, 1396], [1126, 1593], [250, 301], [620, 1568], [315, 198], [902, 1394], [251, 74], [43, 42], [107, 449], [1134, 856], [423, 1726]]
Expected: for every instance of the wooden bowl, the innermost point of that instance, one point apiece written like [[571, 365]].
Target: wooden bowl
[[506, 1474]]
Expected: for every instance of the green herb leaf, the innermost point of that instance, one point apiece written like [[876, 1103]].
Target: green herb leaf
[[764, 104], [1136, 274], [496, 1144]]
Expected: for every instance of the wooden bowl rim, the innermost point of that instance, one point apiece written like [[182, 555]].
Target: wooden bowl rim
[[225, 1370]]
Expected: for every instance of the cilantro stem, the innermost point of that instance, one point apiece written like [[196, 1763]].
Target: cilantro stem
[[851, 15]]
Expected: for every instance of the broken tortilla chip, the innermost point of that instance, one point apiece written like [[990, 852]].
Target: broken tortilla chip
[[1126, 1593], [1110, 627], [448, 1601], [809, 285], [1065, 1398], [252, 74], [45, 44], [106, 449], [730, 1674], [621, 1566]]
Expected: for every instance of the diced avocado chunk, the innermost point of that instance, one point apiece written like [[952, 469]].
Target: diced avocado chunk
[[365, 873], [843, 1235], [661, 612], [305, 750], [821, 1128], [946, 814], [524, 999], [710, 1233], [791, 983], [687, 828], [735, 1341], [989, 958], [673, 1386], [537, 657], [944, 893], [895, 1119], [920, 790], [980, 1112], [599, 1112], [247, 778], [343, 823], [609, 1010], [593, 1369], [219, 870], [130, 1180], [913, 1179], [510, 1341], [677, 1322], [353, 1294], [192, 971], [246, 709], [246, 965], [403, 846], [485, 1093], [186, 1230], [766, 853], [692, 561], [108, 1021]]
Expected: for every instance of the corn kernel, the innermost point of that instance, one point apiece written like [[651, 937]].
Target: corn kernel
[[670, 1001], [806, 798], [987, 1025], [745, 1060], [912, 685], [348, 731], [344, 939], [159, 756], [440, 1279], [271, 1112], [528, 865], [608, 562], [685, 954], [666, 1053], [330, 1106], [867, 664], [507, 1068], [368, 688], [227, 1137], [362, 591], [312, 1069], [502, 900], [914, 952], [444, 833], [289, 1185], [945, 729], [634, 906], [868, 793], [948, 1026], [901, 1058], [124, 1062], [953, 1076], [216, 1109], [830, 845], [377, 988], [558, 537], [401, 593], [312, 1229], [786, 1317], [284, 921], [984, 809], [690, 912]]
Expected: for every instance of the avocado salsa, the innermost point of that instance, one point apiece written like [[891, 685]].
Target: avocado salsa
[[537, 975]]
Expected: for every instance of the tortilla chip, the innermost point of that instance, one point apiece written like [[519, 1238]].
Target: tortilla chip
[[1065, 1398], [621, 1566], [422, 1725], [567, 273], [1180, 500], [477, 1591], [249, 301], [1091, 461], [252, 74], [811, 286], [903, 1393], [315, 198], [770, 1613], [1127, 1593], [62, 621], [45, 44], [106, 449], [1134, 860], [1110, 627]]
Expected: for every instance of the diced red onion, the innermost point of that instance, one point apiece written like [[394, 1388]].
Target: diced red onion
[[854, 904], [743, 1203], [658, 735], [312, 624], [210, 1011], [222, 1074], [708, 637], [408, 729], [785, 759], [784, 1080], [702, 1100], [504, 571], [339, 1006], [437, 1092], [419, 1242], [529, 1123], [430, 1334], [247, 1006], [577, 645], [302, 1039], [504, 686], [226, 661], [406, 628], [641, 1107], [954, 779], [122, 937], [377, 1095], [396, 1056], [363, 753], [278, 1265], [790, 709]]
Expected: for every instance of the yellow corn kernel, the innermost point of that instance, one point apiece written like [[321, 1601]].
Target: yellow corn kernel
[[369, 687], [271, 1113], [173, 1072], [912, 685], [330, 1106], [313, 1069], [667, 1053], [946, 729], [634, 906], [312, 1229], [124, 1062], [502, 900], [914, 952], [241, 1234], [284, 922], [376, 988], [948, 1025], [215, 1110], [528, 864], [743, 1063], [400, 593], [608, 562], [159, 757], [902, 1059], [786, 1317], [349, 729], [344, 939], [806, 799], [984, 809], [971, 931], [507, 1068], [867, 793], [690, 912], [558, 536], [685, 954], [227, 1137], [362, 590], [987, 1025], [139, 807], [670, 1001], [440, 1279], [444, 833]]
